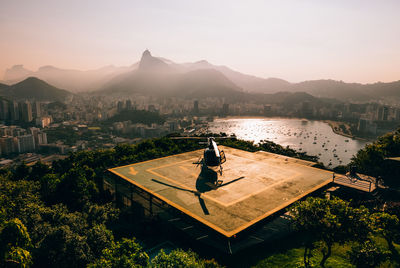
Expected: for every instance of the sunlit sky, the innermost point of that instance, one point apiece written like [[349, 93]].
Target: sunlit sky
[[349, 40]]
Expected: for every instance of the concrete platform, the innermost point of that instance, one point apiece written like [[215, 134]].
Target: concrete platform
[[253, 187]]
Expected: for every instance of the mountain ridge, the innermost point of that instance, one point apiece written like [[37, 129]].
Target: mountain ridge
[[161, 68], [34, 88]]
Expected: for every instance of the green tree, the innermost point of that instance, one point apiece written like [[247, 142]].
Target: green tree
[[99, 238], [325, 222], [48, 188], [21, 172], [100, 214], [181, 258], [388, 226], [16, 196], [371, 159], [15, 244], [38, 171], [62, 247], [367, 255], [125, 253], [77, 187]]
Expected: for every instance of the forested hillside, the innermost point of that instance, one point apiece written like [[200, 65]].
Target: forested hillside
[[59, 215]]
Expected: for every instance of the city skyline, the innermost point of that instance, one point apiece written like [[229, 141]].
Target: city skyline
[[353, 41]]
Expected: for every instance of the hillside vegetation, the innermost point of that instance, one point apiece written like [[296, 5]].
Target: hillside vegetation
[[59, 216]]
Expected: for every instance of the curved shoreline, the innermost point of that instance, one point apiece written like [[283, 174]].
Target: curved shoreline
[[333, 126], [331, 123]]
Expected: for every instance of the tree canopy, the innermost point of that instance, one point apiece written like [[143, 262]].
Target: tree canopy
[[60, 215]]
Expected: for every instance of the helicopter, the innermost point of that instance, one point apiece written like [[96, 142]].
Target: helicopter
[[213, 157]]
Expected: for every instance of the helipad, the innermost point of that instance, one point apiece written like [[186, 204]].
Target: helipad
[[254, 186]]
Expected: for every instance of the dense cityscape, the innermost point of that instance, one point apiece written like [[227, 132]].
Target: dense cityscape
[[33, 130]]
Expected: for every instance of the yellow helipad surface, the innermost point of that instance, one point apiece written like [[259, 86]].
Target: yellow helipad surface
[[254, 185]]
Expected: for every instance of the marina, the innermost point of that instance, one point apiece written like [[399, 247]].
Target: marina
[[309, 136]]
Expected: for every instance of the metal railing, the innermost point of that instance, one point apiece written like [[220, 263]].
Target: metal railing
[[351, 181]]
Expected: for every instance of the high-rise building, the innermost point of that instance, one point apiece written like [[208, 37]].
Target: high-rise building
[[362, 125], [4, 110], [128, 104], [37, 111], [397, 114], [366, 126], [173, 126], [196, 107], [14, 111], [42, 138], [383, 113], [120, 106], [8, 145], [43, 121], [25, 109], [26, 143], [35, 133]]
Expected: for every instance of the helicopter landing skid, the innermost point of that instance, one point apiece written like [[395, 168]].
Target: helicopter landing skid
[[215, 185]]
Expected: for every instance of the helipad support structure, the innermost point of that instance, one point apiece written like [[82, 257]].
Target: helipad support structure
[[254, 186]]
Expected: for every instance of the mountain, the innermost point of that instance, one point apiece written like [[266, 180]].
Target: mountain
[[73, 80], [206, 83], [386, 90], [349, 91], [249, 83], [155, 76], [34, 88], [4, 89], [332, 89], [151, 64]]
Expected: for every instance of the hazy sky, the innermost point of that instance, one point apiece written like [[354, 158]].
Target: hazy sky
[[349, 40]]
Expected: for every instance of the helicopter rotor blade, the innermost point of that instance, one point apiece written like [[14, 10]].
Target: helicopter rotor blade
[[232, 181], [203, 206], [176, 187], [196, 193]]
